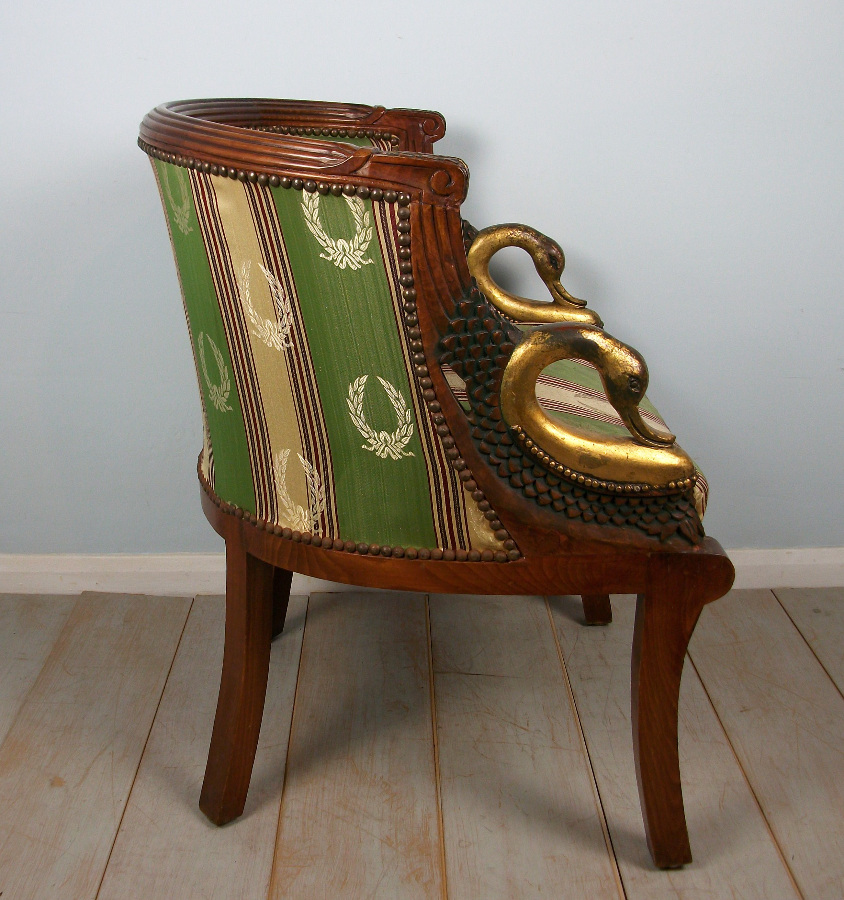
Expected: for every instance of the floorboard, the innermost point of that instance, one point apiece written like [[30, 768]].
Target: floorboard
[[785, 719], [165, 847], [734, 853], [519, 811], [29, 626], [359, 815], [68, 761], [818, 613], [461, 747]]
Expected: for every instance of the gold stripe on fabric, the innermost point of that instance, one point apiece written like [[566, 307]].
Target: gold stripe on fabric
[[207, 459], [264, 318], [483, 537], [225, 286], [300, 366]]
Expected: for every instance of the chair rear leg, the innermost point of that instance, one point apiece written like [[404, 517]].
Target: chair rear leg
[[678, 587], [597, 609], [282, 579], [243, 686]]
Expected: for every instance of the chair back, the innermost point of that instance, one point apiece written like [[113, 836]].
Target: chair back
[[315, 416]]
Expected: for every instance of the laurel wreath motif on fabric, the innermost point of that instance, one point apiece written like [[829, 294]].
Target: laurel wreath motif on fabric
[[275, 334], [340, 252], [300, 518], [181, 210], [219, 393], [381, 443]]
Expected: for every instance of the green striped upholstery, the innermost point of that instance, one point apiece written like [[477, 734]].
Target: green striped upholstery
[[571, 392], [313, 419]]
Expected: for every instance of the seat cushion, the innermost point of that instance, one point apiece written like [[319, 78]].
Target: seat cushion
[[571, 392]]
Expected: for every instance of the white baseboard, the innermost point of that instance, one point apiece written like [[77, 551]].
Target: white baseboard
[[205, 573], [170, 574], [794, 567]]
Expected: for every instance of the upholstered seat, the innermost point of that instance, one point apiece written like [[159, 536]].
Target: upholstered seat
[[370, 410]]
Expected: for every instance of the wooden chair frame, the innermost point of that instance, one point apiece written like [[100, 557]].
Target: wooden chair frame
[[674, 579]]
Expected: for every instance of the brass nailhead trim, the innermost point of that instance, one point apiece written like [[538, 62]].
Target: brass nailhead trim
[[309, 131], [408, 294], [298, 184], [362, 549], [589, 481]]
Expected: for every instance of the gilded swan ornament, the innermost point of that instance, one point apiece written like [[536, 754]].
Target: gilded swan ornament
[[647, 457], [549, 262]]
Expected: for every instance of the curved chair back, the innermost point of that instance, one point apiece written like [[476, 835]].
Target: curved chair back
[[315, 419]]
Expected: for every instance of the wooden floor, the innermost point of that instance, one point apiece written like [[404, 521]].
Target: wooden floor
[[412, 746]]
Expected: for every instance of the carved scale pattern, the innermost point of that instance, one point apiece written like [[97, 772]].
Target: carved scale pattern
[[478, 345], [469, 234]]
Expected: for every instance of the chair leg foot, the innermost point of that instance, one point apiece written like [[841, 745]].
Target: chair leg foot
[[282, 579], [243, 686], [597, 609], [678, 587]]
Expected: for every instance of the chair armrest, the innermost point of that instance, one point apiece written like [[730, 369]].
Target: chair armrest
[[647, 457]]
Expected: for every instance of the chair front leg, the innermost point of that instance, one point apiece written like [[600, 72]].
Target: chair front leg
[[243, 686], [666, 615]]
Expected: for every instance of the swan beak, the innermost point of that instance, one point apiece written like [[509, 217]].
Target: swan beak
[[561, 295], [647, 435], [563, 298]]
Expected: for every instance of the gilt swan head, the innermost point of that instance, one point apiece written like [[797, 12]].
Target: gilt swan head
[[549, 262]]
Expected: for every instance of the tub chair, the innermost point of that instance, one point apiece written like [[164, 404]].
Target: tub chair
[[375, 415]]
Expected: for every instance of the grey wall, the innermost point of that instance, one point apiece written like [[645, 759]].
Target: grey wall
[[687, 156]]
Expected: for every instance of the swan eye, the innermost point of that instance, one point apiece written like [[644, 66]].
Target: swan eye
[[554, 261], [634, 384]]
